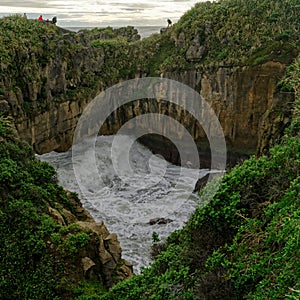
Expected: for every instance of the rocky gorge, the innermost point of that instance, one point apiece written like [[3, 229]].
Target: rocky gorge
[[242, 59], [47, 84]]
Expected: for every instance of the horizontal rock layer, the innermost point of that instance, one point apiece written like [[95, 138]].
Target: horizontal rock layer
[[49, 89]]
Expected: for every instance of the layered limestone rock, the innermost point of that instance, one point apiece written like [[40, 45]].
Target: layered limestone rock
[[101, 259], [47, 99], [48, 92], [274, 121], [241, 98], [46, 89]]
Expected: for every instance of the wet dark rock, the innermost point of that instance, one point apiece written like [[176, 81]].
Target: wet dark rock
[[201, 183], [160, 221]]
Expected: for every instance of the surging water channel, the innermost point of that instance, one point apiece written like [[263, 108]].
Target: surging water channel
[[154, 189]]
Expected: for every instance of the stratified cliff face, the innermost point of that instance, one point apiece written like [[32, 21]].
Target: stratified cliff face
[[45, 97], [241, 97], [48, 77], [47, 85]]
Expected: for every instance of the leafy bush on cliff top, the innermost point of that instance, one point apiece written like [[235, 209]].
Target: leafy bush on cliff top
[[33, 55], [243, 32], [19, 34], [129, 33]]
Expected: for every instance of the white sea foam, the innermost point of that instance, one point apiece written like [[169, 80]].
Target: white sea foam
[[112, 200]]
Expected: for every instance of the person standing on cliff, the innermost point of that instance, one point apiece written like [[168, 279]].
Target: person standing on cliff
[[40, 18], [54, 20]]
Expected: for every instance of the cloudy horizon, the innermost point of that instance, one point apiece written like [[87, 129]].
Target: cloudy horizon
[[97, 13]]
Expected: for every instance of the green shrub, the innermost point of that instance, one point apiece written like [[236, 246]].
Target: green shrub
[[35, 253], [244, 244]]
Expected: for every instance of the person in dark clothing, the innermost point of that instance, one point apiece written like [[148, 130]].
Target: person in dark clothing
[[169, 22]]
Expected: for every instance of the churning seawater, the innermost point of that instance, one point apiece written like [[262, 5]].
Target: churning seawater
[[154, 189]]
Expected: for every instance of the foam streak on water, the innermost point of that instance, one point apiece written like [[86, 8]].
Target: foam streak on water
[[110, 198]]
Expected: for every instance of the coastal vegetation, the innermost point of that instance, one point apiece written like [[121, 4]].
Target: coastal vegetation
[[50, 246], [39, 257], [244, 244], [243, 32]]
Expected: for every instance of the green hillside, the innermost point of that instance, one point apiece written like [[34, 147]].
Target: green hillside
[[245, 243], [28, 268], [244, 30]]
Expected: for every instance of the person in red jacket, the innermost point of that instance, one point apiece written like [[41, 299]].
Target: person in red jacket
[[40, 18]]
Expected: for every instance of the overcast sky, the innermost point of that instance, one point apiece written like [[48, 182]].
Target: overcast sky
[[100, 12]]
